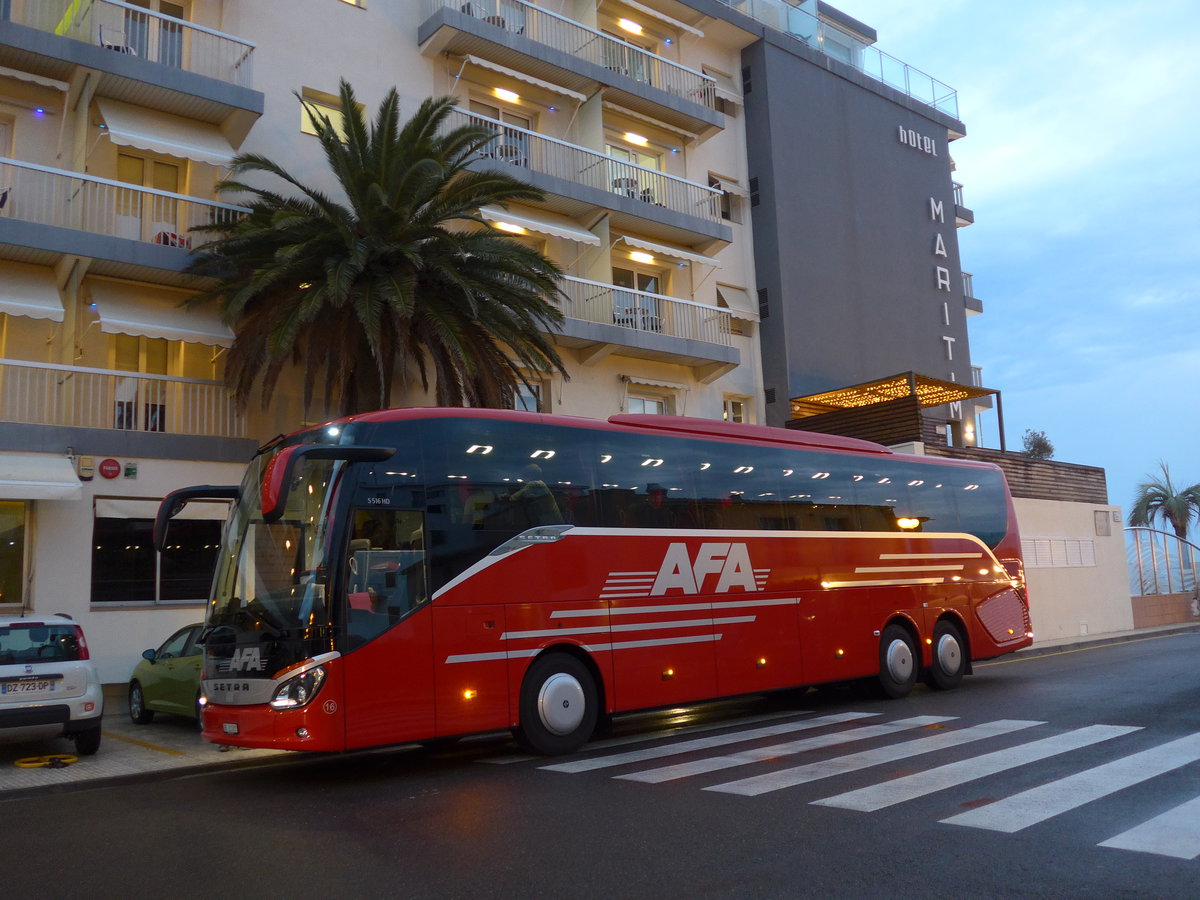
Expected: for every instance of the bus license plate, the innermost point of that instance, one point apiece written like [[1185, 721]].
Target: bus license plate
[[22, 687]]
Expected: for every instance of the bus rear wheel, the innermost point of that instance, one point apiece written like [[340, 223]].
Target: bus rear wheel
[[558, 705], [898, 662], [949, 657]]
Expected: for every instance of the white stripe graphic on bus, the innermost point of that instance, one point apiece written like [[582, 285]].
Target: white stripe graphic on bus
[[637, 626], [592, 648]]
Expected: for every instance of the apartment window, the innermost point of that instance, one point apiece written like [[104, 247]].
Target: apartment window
[[529, 397], [646, 405], [636, 310], [737, 409], [511, 143], [139, 404], [149, 217], [152, 37], [13, 516], [125, 568], [324, 105]]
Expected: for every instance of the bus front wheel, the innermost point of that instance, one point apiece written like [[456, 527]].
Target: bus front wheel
[[949, 657], [898, 662], [558, 705]]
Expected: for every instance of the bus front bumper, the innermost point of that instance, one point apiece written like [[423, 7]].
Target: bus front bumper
[[313, 727]]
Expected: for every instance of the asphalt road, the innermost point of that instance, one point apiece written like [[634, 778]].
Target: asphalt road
[[1067, 775]]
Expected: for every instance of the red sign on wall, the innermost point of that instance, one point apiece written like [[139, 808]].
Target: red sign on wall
[[109, 468]]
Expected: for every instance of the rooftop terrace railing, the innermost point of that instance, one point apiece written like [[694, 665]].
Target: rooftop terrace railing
[[73, 200], [133, 30], [565, 34], [541, 153], [848, 48]]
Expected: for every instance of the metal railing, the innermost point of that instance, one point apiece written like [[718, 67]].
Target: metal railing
[[73, 200], [594, 301], [125, 28], [1160, 562], [551, 156], [42, 394], [968, 285], [958, 193], [977, 376], [842, 45], [561, 33]]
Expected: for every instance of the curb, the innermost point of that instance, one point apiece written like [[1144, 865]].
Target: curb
[[1123, 637]]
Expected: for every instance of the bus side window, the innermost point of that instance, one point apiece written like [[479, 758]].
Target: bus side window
[[385, 571]]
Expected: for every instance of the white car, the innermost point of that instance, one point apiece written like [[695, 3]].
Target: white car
[[48, 685]]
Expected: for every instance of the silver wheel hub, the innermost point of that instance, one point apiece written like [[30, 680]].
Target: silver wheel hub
[[561, 703], [899, 661], [949, 654]]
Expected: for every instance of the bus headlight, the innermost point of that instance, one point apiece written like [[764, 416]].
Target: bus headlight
[[298, 691]]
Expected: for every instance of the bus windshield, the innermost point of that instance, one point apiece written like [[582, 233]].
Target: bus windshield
[[269, 607]]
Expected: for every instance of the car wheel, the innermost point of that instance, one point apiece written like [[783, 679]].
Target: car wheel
[[949, 657], [87, 742], [558, 705], [898, 662], [137, 705]]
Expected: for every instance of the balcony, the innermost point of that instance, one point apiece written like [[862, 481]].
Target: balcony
[[844, 46], [973, 304], [127, 230], [553, 47], [578, 179], [140, 56], [41, 394], [602, 318], [962, 215]]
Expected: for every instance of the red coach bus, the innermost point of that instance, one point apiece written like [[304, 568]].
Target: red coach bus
[[413, 574]]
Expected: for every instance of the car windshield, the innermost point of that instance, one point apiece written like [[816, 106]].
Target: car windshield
[[269, 607], [32, 642]]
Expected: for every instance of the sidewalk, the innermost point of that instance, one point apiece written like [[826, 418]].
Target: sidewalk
[[170, 745]]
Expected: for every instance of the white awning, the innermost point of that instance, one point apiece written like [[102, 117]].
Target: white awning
[[134, 508], [725, 88], [38, 476], [29, 291], [54, 83], [669, 252], [732, 187], [134, 126], [153, 312], [528, 79], [738, 301], [663, 17], [543, 223]]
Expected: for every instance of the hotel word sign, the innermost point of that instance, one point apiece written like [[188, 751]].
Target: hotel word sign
[[910, 138]]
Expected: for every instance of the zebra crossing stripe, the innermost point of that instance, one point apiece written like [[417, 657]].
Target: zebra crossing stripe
[[759, 754], [1175, 833], [774, 781], [718, 740], [909, 787], [1040, 803]]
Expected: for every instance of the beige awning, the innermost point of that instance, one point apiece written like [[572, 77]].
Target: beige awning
[[738, 301], [542, 223], [669, 252], [38, 476], [138, 508], [528, 79], [153, 312], [725, 88], [135, 126], [729, 186], [29, 291], [54, 83], [663, 17]]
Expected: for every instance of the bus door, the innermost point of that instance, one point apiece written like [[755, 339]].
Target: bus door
[[388, 634]]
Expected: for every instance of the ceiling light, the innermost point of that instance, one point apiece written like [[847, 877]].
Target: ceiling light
[[642, 257], [629, 25], [634, 138], [509, 227], [506, 95]]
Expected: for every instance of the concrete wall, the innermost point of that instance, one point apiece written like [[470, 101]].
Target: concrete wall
[[1070, 600]]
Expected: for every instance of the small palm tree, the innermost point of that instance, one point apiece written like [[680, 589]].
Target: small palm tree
[[391, 280], [1157, 498]]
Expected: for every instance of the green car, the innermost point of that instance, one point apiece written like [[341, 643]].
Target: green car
[[168, 679]]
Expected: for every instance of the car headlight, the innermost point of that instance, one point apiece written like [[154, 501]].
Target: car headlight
[[299, 690]]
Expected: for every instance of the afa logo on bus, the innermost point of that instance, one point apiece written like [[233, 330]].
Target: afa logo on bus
[[728, 563]]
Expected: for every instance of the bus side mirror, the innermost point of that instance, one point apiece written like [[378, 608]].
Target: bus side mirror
[[281, 470], [173, 504]]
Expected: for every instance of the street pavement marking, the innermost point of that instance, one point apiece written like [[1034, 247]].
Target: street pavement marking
[[909, 787], [1040, 803], [719, 740], [774, 781], [136, 742], [1175, 833], [763, 754]]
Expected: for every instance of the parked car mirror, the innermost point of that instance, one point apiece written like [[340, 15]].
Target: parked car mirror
[[149, 654]]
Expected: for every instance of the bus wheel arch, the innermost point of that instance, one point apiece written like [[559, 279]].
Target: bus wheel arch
[[899, 659], [560, 702], [950, 656]]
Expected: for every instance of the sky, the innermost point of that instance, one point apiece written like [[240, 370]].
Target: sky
[[1082, 166]]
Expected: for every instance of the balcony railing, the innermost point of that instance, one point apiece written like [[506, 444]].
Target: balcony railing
[[40, 394], [976, 376], [968, 285], [594, 301], [125, 28], [848, 48], [569, 36], [74, 200], [958, 193], [550, 156]]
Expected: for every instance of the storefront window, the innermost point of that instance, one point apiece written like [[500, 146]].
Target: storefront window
[[125, 568], [12, 551]]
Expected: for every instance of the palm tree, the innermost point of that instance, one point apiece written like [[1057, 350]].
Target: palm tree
[[1157, 498], [392, 280]]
